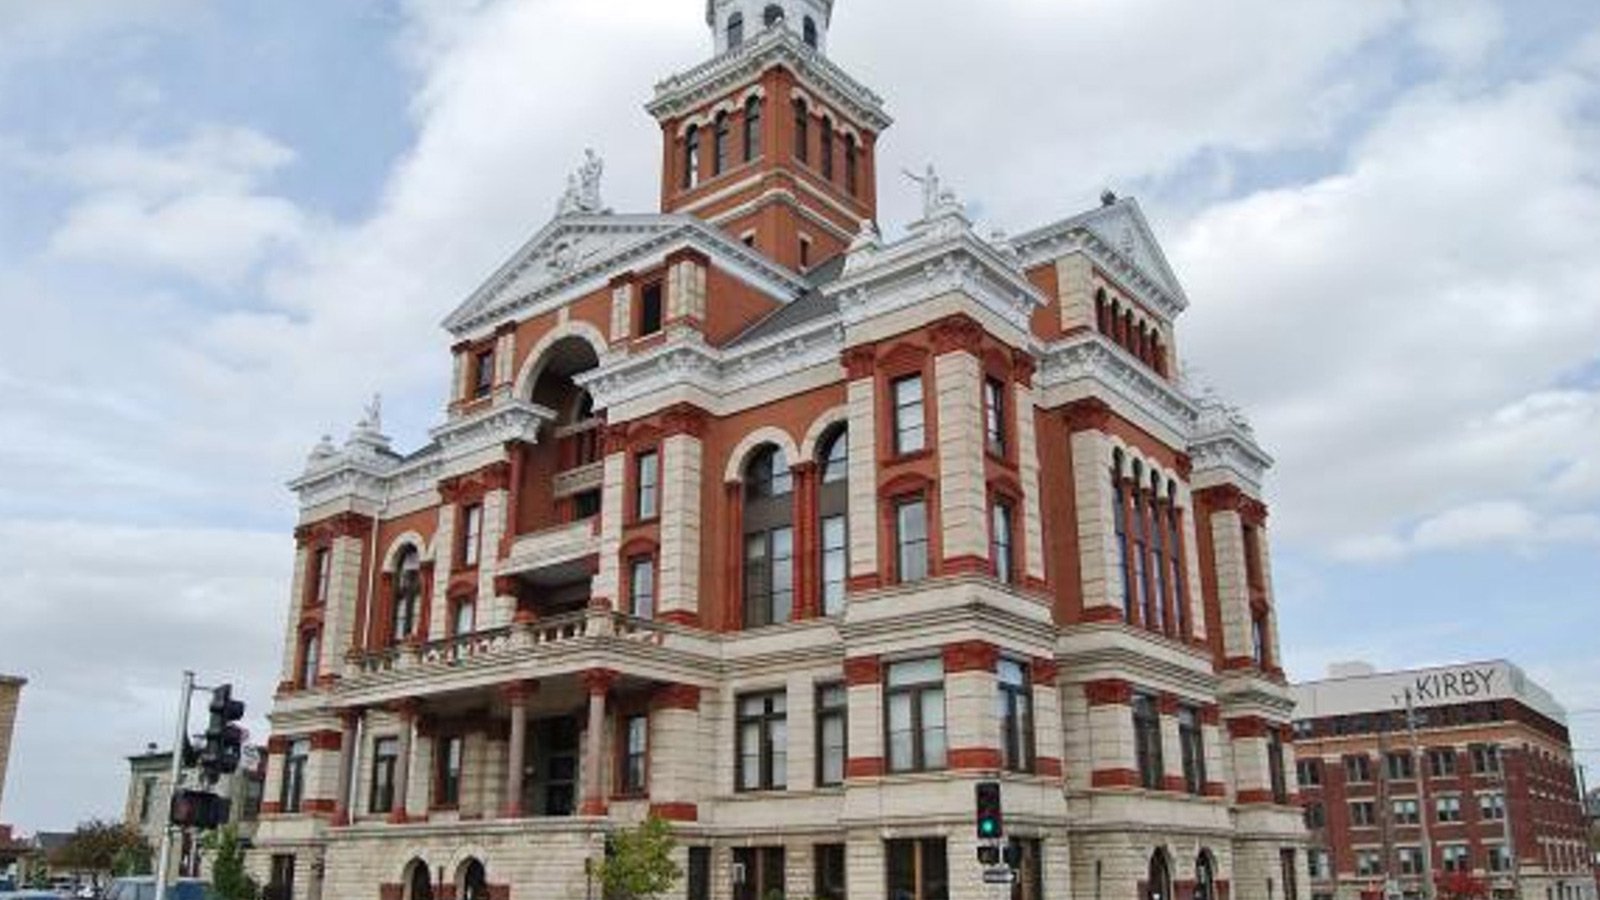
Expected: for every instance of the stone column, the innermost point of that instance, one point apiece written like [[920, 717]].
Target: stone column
[[681, 529], [863, 501], [10, 697], [350, 720], [1047, 726], [1102, 585], [1233, 592], [596, 683], [406, 711], [963, 492], [1028, 467], [516, 695], [970, 725], [606, 587], [1113, 760]]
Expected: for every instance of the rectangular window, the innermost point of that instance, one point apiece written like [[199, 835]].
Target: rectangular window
[[1358, 769], [917, 869], [1289, 868], [1001, 542], [1369, 863], [1363, 813], [834, 565], [482, 374], [646, 485], [763, 760], [910, 431], [447, 771], [1402, 766], [1448, 809], [829, 881], [805, 253], [1457, 858], [635, 746], [294, 776], [832, 734], [1499, 859], [1404, 812], [1320, 863], [1491, 807], [1276, 767], [650, 309], [1029, 854], [1309, 772], [757, 873], [466, 618], [1014, 708], [768, 577], [322, 571], [916, 725], [280, 880], [994, 415], [471, 534], [911, 539], [385, 757], [642, 587], [1485, 759], [699, 874], [1191, 738], [1316, 816], [1442, 763], [1147, 741], [1410, 860], [310, 658]]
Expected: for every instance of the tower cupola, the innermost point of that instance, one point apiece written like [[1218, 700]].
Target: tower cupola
[[733, 22]]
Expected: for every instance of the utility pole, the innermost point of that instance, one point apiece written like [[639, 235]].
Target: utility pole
[[1424, 813], [178, 742]]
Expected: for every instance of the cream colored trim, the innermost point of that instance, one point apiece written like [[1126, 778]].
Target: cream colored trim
[[533, 365], [808, 446], [764, 435]]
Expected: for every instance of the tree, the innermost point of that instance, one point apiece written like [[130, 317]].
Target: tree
[[228, 875], [1461, 886], [639, 865], [98, 846]]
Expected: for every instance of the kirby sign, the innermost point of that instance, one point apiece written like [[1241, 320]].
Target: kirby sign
[[1471, 683]]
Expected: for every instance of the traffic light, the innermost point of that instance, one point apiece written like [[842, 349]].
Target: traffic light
[[224, 741], [988, 855], [200, 809], [991, 825]]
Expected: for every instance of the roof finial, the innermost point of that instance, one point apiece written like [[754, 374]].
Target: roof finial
[[1108, 197]]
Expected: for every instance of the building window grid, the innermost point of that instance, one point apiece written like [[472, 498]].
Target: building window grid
[[763, 737], [769, 577], [915, 716], [1147, 741], [1002, 541], [1404, 812], [833, 734], [1401, 766], [1363, 813], [385, 759], [1447, 809], [1358, 769], [752, 129], [1309, 772], [1014, 709], [911, 538], [1191, 737], [642, 587], [917, 869], [1276, 768], [1492, 807], [647, 485], [322, 571], [293, 790], [910, 420], [829, 879], [994, 416], [471, 535], [449, 750], [835, 560], [482, 374], [635, 755], [1441, 763]]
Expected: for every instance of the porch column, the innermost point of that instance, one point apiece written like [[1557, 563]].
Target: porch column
[[597, 683], [407, 710], [516, 694], [351, 721]]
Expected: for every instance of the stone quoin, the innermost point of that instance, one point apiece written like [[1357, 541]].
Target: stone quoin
[[747, 516]]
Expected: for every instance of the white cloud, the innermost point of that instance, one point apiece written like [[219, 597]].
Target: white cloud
[[1460, 33]]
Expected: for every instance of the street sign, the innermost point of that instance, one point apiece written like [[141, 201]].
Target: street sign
[[1001, 875]]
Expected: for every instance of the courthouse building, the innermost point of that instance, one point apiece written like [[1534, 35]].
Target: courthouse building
[[1487, 783], [746, 517]]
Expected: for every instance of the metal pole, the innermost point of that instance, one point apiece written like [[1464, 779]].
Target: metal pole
[[178, 740], [1422, 799], [1505, 821]]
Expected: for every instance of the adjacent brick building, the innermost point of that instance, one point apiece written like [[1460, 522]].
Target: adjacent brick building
[[1490, 775], [744, 516]]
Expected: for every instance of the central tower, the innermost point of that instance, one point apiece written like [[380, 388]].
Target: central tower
[[769, 139]]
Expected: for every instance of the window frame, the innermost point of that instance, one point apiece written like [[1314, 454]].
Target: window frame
[[690, 176], [832, 704], [447, 771], [647, 485], [633, 762], [1149, 760], [482, 374], [1002, 539], [1192, 744], [469, 543], [754, 112], [903, 409], [905, 547], [643, 589], [1014, 710], [767, 751], [292, 789], [917, 696], [995, 414], [830, 872], [385, 765], [650, 318]]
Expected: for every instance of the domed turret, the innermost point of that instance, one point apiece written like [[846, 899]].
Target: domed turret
[[735, 21]]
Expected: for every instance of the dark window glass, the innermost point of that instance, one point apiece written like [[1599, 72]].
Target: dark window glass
[[834, 560], [699, 875], [994, 415], [293, 791], [827, 148], [385, 757], [1358, 769], [447, 771], [1014, 708], [1191, 737], [1147, 740], [757, 873], [1119, 516], [1442, 763], [1401, 766], [471, 532], [650, 309], [735, 31], [763, 723], [852, 165], [917, 869], [310, 658], [768, 577], [1291, 873], [768, 475], [832, 734], [322, 571], [1276, 767], [407, 595], [772, 15], [1309, 772], [586, 505], [1030, 869], [635, 746], [914, 696], [691, 159], [830, 870], [810, 33], [752, 128], [721, 140], [1316, 816], [483, 374], [1002, 550], [802, 131]]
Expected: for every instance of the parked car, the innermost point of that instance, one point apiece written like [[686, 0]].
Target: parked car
[[145, 889]]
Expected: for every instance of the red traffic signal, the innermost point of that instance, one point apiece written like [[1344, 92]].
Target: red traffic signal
[[200, 809]]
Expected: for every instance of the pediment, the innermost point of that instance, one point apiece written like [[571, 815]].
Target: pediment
[[1123, 227]]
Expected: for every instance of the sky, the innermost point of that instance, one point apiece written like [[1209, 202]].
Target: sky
[[225, 225]]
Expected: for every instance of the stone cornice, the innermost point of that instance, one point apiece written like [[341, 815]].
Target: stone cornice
[[1093, 358], [1053, 242], [710, 80], [1223, 442], [501, 423]]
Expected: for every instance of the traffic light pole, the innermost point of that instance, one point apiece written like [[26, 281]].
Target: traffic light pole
[[178, 741]]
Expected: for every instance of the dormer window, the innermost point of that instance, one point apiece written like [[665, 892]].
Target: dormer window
[[735, 31], [482, 374], [650, 309], [773, 15]]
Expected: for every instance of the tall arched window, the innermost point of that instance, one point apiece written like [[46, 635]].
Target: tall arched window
[[721, 137], [752, 129], [1100, 310], [1158, 555], [1140, 575], [810, 32], [407, 595], [691, 156], [1127, 330], [1119, 515], [772, 15], [1158, 886], [852, 165], [768, 539], [827, 148], [735, 30], [474, 881], [1175, 556], [802, 131], [310, 658], [833, 500], [1205, 877], [419, 881], [1116, 321]]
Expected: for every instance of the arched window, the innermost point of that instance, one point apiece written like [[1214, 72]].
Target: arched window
[[833, 500], [1158, 886], [473, 883], [719, 144], [735, 30], [810, 32], [802, 131], [419, 883], [852, 165], [1127, 331], [310, 658], [1180, 603], [773, 15], [1140, 575], [1158, 555], [768, 539], [1141, 345], [465, 621], [1116, 321], [691, 157], [1205, 877], [407, 595], [1119, 515], [827, 148], [1101, 311], [752, 129]]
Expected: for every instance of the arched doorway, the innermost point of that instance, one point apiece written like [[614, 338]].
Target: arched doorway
[[1158, 884], [418, 883], [472, 881], [1205, 877]]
